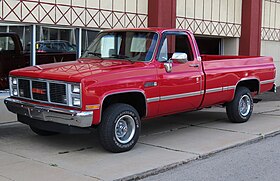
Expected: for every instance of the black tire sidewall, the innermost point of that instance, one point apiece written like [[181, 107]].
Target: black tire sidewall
[[106, 128], [132, 142], [232, 108]]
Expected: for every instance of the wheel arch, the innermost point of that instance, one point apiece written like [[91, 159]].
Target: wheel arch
[[135, 98], [253, 84]]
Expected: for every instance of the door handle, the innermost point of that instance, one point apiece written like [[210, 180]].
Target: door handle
[[194, 65]]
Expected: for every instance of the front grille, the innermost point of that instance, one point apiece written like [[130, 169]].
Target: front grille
[[39, 91], [43, 91], [58, 93], [24, 88]]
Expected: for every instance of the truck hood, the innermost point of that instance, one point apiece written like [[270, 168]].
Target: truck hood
[[73, 71]]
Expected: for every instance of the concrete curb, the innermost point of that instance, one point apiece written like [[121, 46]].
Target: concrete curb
[[165, 168]]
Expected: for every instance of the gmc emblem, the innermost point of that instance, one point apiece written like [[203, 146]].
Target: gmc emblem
[[38, 91]]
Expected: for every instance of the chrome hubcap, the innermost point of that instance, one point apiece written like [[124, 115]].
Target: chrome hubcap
[[244, 105], [125, 129]]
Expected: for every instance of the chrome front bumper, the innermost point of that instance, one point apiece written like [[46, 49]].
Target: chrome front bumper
[[51, 114]]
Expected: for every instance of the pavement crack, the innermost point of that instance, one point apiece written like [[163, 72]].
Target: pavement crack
[[51, 165], [7, 178], [166, 131], [264, 114], [9, 123], [216, 120], [271, 111], [72, 151], [233, 131], [170, 149]]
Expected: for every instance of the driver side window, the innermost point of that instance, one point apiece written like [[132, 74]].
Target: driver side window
[[7, 44], [174, 44]]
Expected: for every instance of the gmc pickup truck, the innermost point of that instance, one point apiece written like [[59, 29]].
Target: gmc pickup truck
[[13, 57], [133, 74]]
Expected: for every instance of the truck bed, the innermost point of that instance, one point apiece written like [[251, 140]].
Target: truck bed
[[223, 73]]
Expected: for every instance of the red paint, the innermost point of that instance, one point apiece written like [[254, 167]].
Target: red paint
[[250, 41], [102, 78], [162, 13]]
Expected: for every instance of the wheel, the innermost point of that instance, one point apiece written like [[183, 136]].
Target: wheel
[[119, 129], [42, 132], [240, 109]]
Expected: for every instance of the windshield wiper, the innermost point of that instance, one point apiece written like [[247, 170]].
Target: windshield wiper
[[119, 56], [95, 54]]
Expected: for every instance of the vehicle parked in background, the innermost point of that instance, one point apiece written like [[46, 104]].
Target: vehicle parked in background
[[53, 46], [133, 74], [13, 57]]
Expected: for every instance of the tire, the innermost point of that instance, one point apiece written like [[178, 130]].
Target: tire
[[239, 110], [41, 132], [119, 129]]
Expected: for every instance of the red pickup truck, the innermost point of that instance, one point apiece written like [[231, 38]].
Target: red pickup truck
[[133, 74]]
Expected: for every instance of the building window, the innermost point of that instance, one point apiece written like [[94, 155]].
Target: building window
[[56, 33], [87, 38], [210, 46]]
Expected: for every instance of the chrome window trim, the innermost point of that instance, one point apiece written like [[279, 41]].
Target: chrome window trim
[[189, 34], [144, 31]]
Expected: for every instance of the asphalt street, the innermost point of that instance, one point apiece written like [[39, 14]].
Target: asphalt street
[[257, 161]]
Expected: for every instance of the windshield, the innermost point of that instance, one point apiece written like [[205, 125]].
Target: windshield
[[128, 45]]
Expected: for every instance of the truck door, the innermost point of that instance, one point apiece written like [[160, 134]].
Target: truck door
[[10, 56], [181, 88]]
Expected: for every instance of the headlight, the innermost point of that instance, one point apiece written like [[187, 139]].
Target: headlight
[[13, 86], [15, 92], [14, 81], [75, 94], [76, 101], [76, 89]]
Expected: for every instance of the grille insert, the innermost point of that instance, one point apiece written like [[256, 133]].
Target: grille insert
[[24, 88], [58, 93], [39, 91]]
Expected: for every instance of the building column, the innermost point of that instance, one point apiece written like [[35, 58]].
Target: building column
[[162, 13], [78, 34], [33, 45], [250, 40]]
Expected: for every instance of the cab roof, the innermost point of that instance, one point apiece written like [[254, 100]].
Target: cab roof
[[152, 29]]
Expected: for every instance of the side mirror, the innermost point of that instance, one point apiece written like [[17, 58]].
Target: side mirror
[[180, 57], [168, 66]]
